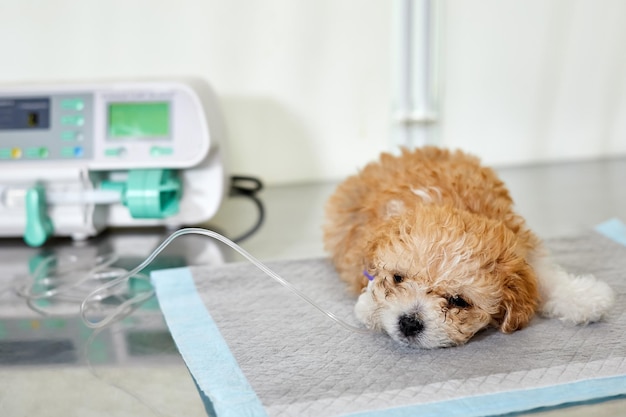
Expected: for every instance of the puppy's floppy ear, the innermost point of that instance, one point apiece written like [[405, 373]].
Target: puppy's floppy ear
[[519, 296]]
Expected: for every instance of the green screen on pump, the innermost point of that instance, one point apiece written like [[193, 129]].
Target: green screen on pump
[[139, 120]]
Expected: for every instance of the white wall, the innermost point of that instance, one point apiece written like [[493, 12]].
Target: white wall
[[533, 80], [305, 85]]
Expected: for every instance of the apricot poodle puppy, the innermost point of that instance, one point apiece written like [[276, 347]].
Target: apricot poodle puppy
[[431, 242]]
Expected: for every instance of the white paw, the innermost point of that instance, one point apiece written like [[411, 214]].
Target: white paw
[[365, 310], [579, 300]]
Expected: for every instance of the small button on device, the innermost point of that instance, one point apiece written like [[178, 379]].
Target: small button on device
[[68, 135], [71, 135], [73, 104], [115, 152], [37, 152], [72, 151], [16, 153], [161, 151], [72, 120]]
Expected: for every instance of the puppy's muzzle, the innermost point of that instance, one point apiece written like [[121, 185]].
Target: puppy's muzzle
[[410, 325]]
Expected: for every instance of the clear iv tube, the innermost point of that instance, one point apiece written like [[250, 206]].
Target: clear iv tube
[[129, 305], [100, 271]]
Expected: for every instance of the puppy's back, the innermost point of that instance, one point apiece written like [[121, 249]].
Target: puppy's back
[[394, 184]]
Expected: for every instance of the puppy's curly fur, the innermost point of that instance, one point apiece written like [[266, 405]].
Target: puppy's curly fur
[[448, 254]]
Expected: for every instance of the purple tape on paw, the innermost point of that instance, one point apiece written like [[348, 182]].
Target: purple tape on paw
[[370, 277]]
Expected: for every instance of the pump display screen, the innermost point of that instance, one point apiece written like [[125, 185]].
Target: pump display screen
[[24, 113], [138, 120]]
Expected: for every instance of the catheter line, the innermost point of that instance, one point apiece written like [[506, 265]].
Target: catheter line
[[128, 306]]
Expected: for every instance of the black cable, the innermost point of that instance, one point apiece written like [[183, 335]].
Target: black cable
[[243, 186]]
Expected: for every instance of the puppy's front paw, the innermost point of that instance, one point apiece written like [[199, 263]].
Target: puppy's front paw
[[365, 310], [579, 300]]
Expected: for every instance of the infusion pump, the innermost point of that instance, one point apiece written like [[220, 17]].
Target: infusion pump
[[78, 157]]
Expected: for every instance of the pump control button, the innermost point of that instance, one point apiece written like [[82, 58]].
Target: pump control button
[[72, 120], [72, 152], [71, 135], [73, 104], [161, 151], [36, 152], [115, 152]]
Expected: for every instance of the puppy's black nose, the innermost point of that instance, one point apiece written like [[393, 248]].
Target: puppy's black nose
[[410, 325]]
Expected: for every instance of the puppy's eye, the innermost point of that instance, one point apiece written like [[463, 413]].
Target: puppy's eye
[[458, 301], [398, 278]]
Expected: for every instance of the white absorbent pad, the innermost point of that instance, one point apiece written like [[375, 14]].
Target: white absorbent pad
[[255, 349]]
